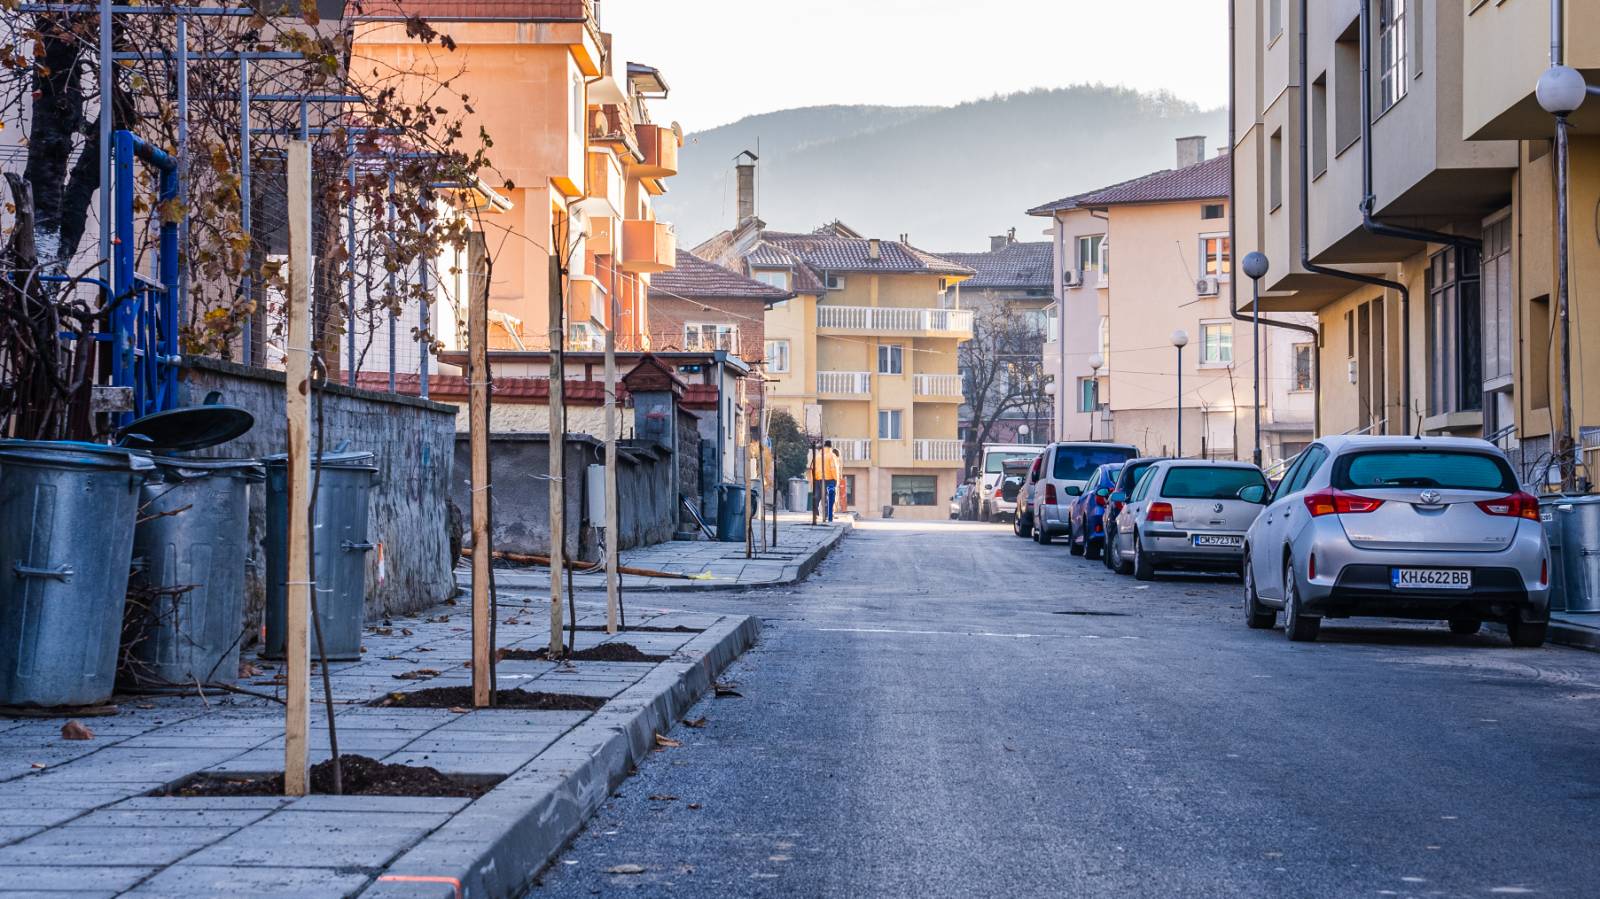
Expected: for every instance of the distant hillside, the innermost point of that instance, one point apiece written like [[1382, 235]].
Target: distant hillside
[[948, 176]]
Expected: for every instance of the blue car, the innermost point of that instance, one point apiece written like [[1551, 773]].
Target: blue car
[[1086, 534]]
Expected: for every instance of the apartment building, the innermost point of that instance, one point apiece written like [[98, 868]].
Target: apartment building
[[1395, 165], [871, 352], [1114, 363], [700, 306]]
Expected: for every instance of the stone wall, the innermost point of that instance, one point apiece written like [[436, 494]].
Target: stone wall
[[412, 440]]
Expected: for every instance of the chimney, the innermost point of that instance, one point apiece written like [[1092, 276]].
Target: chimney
[[874, 248], [998, 242], [745, 166], [1191, 150]]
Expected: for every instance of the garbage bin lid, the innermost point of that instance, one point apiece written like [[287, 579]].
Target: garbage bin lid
[[187, 428], [355, 459], [185, 468], [76, 454]]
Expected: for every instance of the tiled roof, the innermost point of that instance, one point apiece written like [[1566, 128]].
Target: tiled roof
[[853, 254], [1206, 180], [525, 10], [1030, 264], [695, 278]]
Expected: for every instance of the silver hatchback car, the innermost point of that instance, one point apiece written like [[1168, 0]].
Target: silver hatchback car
[[1399, 527], [1186, 513]]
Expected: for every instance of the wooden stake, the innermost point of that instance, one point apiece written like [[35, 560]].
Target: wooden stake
[[479, 429], [297, 394], [613, 532], [558, 452]]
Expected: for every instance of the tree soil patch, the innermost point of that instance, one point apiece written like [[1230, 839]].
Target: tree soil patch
[[362, 776], [645, 629], [605, 652], [461, 698]]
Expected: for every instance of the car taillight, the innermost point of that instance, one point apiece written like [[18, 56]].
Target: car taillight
[[1158, 512], [1337, 502], [1517, 505], [1050, 494], [1116, 507], [1101, 500]]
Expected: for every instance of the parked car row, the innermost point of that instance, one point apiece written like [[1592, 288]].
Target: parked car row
[[1395, 527]]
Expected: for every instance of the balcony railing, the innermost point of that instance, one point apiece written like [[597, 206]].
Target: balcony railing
[[892, 318], [936, 451], [844, 383], [938, 385], [853, 449]]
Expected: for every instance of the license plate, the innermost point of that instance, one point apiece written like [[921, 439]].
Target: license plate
[[1217, 540], [1430, 579]]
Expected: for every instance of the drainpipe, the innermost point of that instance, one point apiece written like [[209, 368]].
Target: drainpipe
[[1255, 319], [1305, 223]]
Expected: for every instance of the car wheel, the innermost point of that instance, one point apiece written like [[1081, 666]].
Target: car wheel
[[1525, 634], [1466, 627], [1072, 541], [1025, 528], [1297, 627], [1108, 557], [1042, 537], [1256, 616], [1092, 549], [983, 513], [1123, 567], [1144, 568]]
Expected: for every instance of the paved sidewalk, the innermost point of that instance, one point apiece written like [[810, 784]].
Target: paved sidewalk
[[717, 566], [79, 818]]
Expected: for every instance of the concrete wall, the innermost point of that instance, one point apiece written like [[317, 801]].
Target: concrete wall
[[412, 440]]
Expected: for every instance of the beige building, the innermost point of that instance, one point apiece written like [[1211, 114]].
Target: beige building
[[865, 355], [1173, 272], [1437, 307]]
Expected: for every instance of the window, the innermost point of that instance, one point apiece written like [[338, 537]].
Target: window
[[1274, 19], [1088, 394], [1089, 255], [1275, 183], [1455, 333], [850, 490], [1439, 469], [1392, 47], [1213, 211], [1319, 125], [775, 277], [709, 337], [1346, 92], [889, 422], [1302, 366], [1541, 340], [1210, 482], [1215, 256], [891, 359], [1076, 463], [1216, 343], [1499, 305], [580, 107], [913, 490], [1304, 469], [777, 356]]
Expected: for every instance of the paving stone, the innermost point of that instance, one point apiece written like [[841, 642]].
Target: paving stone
[[466, 762], [109, 845], [170, 817], [72, 879], [188, 880], [10, 833], [428, 804], [303, 847], [203, 803], [354, 817]]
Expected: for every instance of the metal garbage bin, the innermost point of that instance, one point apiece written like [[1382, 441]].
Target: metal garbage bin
[[67, 513], [730, 513], [190, 550], [799, 495], [1552, 535], [339, 549], [1578, 518]]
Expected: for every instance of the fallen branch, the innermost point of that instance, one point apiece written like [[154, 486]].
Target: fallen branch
[[531, 559]]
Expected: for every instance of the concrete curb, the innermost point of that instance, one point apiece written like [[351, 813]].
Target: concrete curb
[[494, 847], [802, 570], [1562, 633]]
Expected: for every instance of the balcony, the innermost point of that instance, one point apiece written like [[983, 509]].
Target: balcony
[[895, 320], [586, 299], [612, 123], [942, 452], [648, 246], [659, 147], [937, 387], [856, 450], [851, 384]]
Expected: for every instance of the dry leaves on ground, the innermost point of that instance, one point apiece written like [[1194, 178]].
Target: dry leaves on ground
[[72, 730], [695, 722], [419, 674], [666, 742], [625, 869]]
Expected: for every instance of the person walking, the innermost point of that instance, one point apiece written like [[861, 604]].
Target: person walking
[[825, 473]]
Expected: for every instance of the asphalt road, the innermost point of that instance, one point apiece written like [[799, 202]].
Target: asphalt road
[[947, 710]]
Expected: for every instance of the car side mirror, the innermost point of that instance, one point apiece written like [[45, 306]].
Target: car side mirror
[[1103, 493], [1119, 497], [1074, 491], [1253, 493]]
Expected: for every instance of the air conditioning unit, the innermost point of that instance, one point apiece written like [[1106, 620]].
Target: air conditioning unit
[[833, 281], [1207, 287], [1072, 278]]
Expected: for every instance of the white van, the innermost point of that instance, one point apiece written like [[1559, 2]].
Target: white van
[[991, 462]]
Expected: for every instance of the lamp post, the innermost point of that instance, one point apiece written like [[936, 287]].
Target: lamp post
[[1255, 266], [1180, 339], [1096, 362], [1561, 90], [1022, 433]]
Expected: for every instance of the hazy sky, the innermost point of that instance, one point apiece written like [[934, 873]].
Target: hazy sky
[[725, 59]]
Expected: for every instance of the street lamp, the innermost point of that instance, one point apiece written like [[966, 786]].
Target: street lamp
[[1022, 433], [1561, 90], [1096, 362], [1255, 266], [1180, 339]]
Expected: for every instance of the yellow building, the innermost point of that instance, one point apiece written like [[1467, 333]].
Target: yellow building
[[1409, 204], [865, 355]]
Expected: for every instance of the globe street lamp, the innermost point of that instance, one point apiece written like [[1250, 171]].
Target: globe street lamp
[[1561, 90], [1180, 339], [1096, 362], [1255, 266]]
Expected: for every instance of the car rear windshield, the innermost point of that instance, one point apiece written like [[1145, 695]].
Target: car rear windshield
[[992, 462], [1132, 473], [1108, 475], [1208, 482], [1436, 469], [1076, 463]]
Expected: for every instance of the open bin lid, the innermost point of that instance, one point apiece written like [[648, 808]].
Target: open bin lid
[[186, 429], [74, 454], [353, 460]]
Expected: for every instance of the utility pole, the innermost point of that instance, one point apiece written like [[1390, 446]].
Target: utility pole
[[558, 449], [297, 394], [613, 537], [479, 427]]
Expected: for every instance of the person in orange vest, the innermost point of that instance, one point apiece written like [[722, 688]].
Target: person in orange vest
[[825, 473]]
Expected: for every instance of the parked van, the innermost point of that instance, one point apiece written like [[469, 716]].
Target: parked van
[[991, 465], [1066, 469]]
